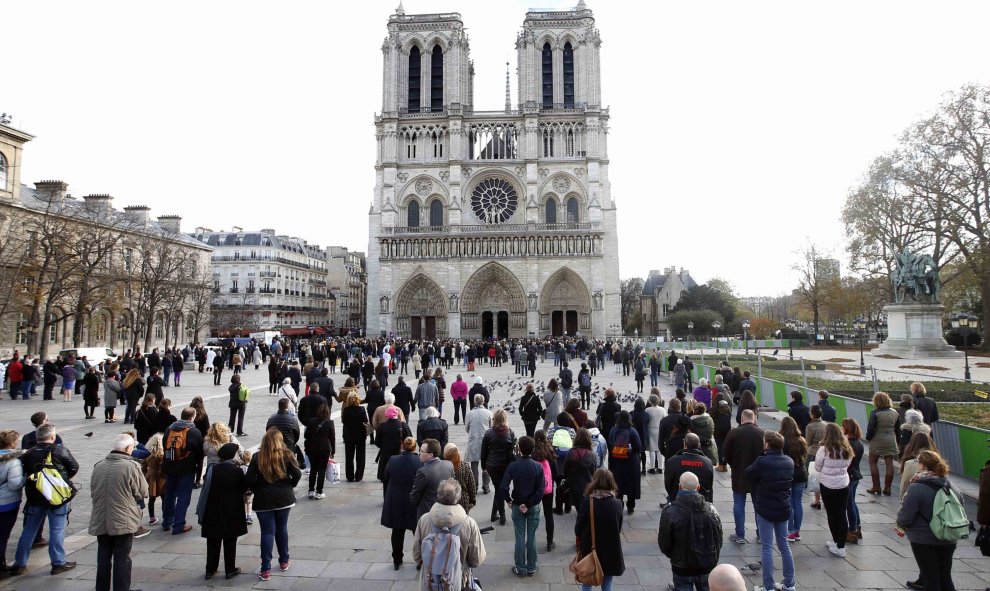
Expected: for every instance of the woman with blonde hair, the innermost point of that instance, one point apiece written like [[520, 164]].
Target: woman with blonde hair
[[832, 463], [354, 419], [272, 476], [152, 468], [133, 393], [217, 436], [463, 475], [883, 432]]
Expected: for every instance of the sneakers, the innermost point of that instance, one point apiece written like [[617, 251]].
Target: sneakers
[[284, 566], [781, 587], [265, 575], [306, 471], [320, 496], [794, 537], [834, 549], [153, 521], [738, 539], [312, 494], [141, 532], [65, 567]]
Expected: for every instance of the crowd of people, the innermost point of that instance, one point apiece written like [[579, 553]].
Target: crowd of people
[[589, 460]]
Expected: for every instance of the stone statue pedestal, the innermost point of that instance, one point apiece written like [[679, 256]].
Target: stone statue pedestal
[[915, 332]]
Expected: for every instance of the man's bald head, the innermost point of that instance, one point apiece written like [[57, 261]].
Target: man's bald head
[[726, 577], [748, 416], [689, 481]]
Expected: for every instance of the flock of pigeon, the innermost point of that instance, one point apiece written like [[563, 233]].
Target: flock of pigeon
[[513, 388]]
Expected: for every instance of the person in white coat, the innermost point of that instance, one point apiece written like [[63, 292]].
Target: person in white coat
[[286, 391], [256, 358], [477, 421], [655, 413], [210, 356]]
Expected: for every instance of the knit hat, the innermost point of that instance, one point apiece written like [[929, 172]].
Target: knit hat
[[227, 451], [392, 412], [478, 380]]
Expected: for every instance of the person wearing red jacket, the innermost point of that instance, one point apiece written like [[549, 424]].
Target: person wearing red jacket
[[15, 372]]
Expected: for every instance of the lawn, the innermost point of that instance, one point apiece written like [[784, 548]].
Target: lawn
[[976, 415]]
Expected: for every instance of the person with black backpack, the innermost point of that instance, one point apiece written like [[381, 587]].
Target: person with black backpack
[[584, 387], [690, 535]]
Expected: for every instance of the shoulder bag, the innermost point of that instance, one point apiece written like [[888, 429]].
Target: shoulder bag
[[587, 570]]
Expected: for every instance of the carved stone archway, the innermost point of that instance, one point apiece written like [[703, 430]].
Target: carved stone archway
[[565, 304], [421, 309], [492, 290]]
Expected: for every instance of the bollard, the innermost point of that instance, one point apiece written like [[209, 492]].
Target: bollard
[[804, 375]]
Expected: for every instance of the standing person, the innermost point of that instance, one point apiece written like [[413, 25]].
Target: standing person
[[447, 514], [463, 476], [477, 422], [156, 384], [177, 366], [146, 420], [639, 371], [218, 366], [552, 400], [459, 393], [272, 475], [117, 487], [722, 415], [798, 411], [133, 393], [607, 412], [747, 401], [37, 508], [796, 448], [933, 555], [183, 448], [237, 404], [704, 425], [151, 467], [623, 455], [545, 455], [578, 469], [433, 428], [909, 461], [113, 392], [164, 418], [320, 444], [286, 422], [428, 478], [525, 476], [391, 431], [927, 406], [584, 386], [11, 482], [814, 433], [883, 432], [690, 535], [273, 376], [742, 446], [222, 517], [565, 379], [497, 452], [827, 410], [832, 462], [397, 512], [605, 526], [427, 395], [91, 392], [68, 380], [353, 418], [403, 397], [690, 459], [680, 374], [772, 478], [530, 410], [854, 435], [50, 374]]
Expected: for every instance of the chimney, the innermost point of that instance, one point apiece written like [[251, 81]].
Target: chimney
[[52, 191], [171, 223], [203, 230], [236, 229], [267, 231], [100, 202], [138, 214]]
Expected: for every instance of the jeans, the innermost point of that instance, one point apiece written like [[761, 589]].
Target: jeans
[[654, 378], [835, 501], [797, 509], [166, 374], [606, 584], [852, 509], [935, 564], [113, 560], [130, 411], [739, 512], [768, 530], [526, 525], [699, 582], [274, 531], [34, 517], [175, 501]]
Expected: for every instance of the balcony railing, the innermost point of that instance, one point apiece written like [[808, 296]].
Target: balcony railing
[[495, 228], [268, 290], [266, 273]]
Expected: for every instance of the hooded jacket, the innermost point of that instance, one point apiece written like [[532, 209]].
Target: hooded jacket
[[771, 477], [11, 477], [117, 486], [194, 445], [33, 461], [472, 546]]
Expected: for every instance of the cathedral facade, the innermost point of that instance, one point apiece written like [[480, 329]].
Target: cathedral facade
[[492, 223]]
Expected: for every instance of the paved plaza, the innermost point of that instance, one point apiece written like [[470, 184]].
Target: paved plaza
[[338, 544]]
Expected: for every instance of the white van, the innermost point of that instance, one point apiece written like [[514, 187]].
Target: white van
[[92, 354]]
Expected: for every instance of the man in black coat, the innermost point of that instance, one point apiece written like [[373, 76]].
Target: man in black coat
[[741, 448], [667, 427], [433, 427], [771, 477], [479, 388], [309, 404], [690, 534], [828, 411], [286, 422], [326, 387], [403, 396], [690, 459], [237, 406], [428, 478], [798, 410], [388, 438], [747, 383]]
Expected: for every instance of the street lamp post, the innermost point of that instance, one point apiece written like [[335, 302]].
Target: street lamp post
[[690, 331], [966, 324], [790, 339], [745, 327], [860, 325], [718, 327]]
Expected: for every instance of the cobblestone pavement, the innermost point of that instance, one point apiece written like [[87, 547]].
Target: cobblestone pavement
[[338, 544]]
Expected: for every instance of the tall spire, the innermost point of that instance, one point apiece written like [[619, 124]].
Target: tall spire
[[508, 96], [399, 10]]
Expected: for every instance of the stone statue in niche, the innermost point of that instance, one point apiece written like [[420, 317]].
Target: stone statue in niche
[[383, 304], [455, 302], [597, 300], [533, 300]]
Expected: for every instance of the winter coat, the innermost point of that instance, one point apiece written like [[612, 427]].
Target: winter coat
[[607, 412], [928, 408], [469, 487], [771, 477], [373, 399], [472, 545], [145, 421], [689, 460], [433, 428], [883, 431], [608, 532], [388, 438], [666, 429], [269, 496], [854, 471], [403, 397], [579, 468], [677, 531], [800, 413], [398, 475], [915, 515], [11, 476], [320, 438], [151, 467], [111, 393], [426, 482], [704, 426], [477, 421], [33, 460], [626, 471], [287, 423], [353, 419], [530, 408], [828, 411], [498, 448], [427, 394], [478, 389], [224, 516], [116, 487], [655, 414], [833, 473], [552, 403], [815, 434], [91, 389], [741, 448], [164, 420]]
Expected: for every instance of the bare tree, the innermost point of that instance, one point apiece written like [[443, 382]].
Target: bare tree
[[817, 278]]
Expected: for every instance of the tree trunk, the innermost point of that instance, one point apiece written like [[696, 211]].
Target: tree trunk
[[80, 314], [985, 294], [46, 324]]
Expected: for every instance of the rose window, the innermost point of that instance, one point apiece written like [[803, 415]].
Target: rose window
[[494, 200]]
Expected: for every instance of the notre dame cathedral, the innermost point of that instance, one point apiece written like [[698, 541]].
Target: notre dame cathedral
[[492, 223]]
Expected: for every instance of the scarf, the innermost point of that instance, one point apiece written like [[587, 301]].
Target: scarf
[[601, 494], [923, 474]]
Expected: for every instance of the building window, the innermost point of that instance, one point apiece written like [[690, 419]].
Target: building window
[[415, 66], [436, 213], [52, 329], [20, 333], [412, 214], [547, 76], [572, 211], [3, 172], [436, 80], [551, 216], [568, 76], [100, 328], [159, 328]]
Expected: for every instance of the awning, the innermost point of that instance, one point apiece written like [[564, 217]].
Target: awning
[[319, 330], [295, 332]]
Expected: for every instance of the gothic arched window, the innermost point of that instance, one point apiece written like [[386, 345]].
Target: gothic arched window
[[551, 215], [415, 66], [573, 215], [568, 76], [412, 214], [436, 80], [436, 213], [547, 76]]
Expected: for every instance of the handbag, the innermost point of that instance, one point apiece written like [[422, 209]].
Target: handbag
[[587, 569], [368, 430], [983, 540]]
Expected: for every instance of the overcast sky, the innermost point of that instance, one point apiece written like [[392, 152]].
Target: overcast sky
[[737, 127]]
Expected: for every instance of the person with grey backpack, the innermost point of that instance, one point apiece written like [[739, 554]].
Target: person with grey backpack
[[447, 544]]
